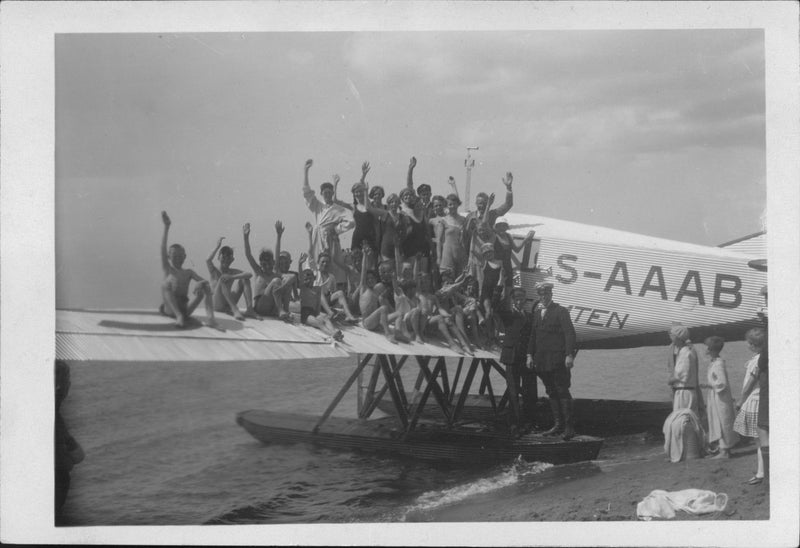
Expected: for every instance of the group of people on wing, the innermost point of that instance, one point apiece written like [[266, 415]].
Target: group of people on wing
[[415, 268]]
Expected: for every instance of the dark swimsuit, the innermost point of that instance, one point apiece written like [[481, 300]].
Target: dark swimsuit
[[502, 252], [417, 239], [364, 230], [389, 234], [183, 304]]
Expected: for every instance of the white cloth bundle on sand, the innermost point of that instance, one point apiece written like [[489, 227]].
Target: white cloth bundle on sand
[[663, 504], [684, 437]]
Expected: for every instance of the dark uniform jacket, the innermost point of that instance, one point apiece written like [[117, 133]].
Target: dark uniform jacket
[[553, 337], [517, 335]]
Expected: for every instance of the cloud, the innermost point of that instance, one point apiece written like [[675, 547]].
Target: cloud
[[594, 90]]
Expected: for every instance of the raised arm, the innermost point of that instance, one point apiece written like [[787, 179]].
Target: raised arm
[[164, 256], [410, 178], [336, 180], [210, 259], [312, 260], [506, 206], [246, 234], [453, 186], [364, 171], [312, 202], [279, 233], [439, 239], [306, 186]]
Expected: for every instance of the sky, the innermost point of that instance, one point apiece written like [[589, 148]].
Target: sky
[[659, 132]]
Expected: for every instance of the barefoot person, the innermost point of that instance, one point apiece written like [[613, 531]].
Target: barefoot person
[[225, 297], [175, 287], [374, 315], [310, 303], [484, 214], [719, 407], [267, 299], [746, 422], [330, 294]]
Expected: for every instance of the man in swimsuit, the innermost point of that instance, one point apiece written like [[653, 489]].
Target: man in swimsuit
[[310, 302], [223, 278], [374, 315], [484, 213], [267, 293], [175, 287]]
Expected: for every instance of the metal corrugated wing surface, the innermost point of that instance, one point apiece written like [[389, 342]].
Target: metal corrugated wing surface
[[116, 335]]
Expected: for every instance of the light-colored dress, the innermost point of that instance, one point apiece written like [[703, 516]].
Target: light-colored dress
[[454, 257], [747, 420], [325, 216], [686, 389], [719, 407]]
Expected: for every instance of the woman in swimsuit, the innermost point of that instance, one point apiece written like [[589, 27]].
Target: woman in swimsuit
[[451, 253], [416, 242], [438, 205], [504, 246], [366, 217], [391, 229]]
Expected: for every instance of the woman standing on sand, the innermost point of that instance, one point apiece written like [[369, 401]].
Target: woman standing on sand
[[684, 379], [746, 423], [720, 401]]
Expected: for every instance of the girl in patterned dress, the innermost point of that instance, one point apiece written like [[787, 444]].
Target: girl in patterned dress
[[747, 418]]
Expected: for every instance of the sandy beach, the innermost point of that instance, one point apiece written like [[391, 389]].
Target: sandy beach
[[610, 488]]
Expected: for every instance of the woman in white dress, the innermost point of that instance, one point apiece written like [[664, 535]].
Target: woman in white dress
[[684, 379], [720, 411], [747, 418]]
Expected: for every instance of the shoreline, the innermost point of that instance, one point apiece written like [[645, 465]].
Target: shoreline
[[610, 488]]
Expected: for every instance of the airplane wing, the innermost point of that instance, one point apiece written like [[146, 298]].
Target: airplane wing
[[146, 336], [753, 244]]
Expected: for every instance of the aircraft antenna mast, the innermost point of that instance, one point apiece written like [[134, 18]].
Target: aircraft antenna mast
[[469, 163]]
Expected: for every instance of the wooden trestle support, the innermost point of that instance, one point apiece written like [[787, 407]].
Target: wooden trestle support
[[436, 381]]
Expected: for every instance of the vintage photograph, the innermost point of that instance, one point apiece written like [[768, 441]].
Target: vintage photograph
[[412, 275]]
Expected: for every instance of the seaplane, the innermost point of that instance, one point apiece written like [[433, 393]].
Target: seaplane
[[623, 290]]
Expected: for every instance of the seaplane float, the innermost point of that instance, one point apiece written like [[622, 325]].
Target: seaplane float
[[623, 290]]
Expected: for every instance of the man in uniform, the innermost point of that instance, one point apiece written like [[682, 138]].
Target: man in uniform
[[552, 350], [519, 378]]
